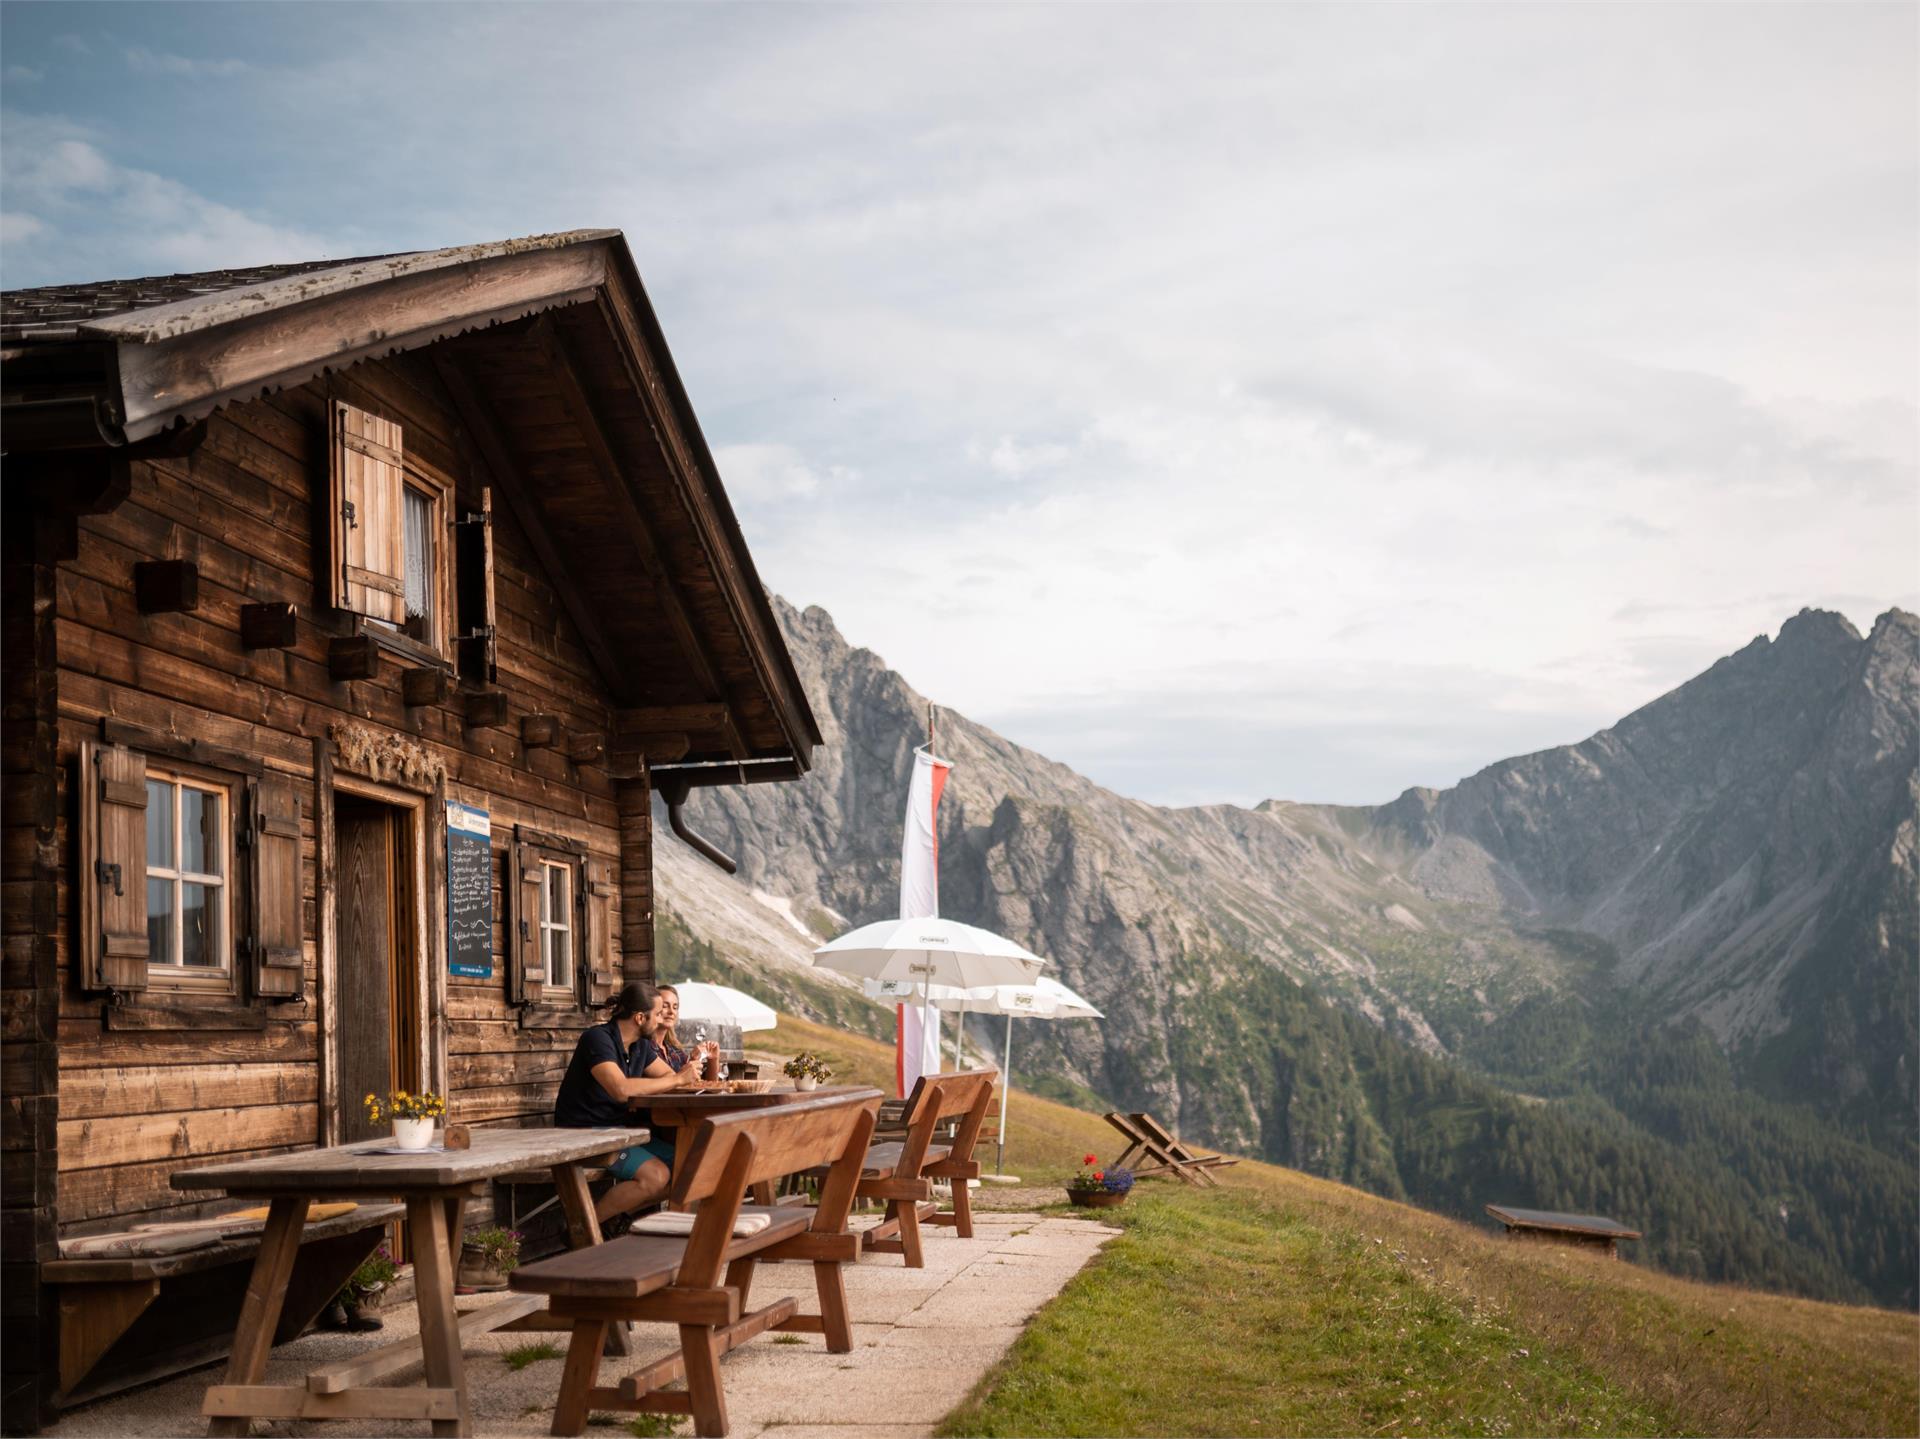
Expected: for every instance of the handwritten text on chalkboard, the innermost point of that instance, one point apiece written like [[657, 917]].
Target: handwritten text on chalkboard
[[469, 891]]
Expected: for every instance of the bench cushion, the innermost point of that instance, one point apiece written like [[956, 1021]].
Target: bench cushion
[[638, 1264]]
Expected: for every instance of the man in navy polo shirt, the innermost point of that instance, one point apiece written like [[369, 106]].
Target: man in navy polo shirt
[[606, 1073]]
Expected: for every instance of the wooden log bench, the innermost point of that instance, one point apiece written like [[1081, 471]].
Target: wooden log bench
[[130, 1318], [702, 1283], [900, 1172]]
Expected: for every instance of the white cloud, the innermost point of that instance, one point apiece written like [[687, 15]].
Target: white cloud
[[772, 473], [143, 61], [26, 74], [68, 204]]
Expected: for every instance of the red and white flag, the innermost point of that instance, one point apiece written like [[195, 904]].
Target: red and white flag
[[917, 1048]]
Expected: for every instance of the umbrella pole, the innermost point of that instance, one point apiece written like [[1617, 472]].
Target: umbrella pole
[[959, 1035], [1006, 1078]]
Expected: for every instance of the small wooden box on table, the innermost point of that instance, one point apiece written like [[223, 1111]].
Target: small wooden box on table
[[673, 1280], [434, 1184]]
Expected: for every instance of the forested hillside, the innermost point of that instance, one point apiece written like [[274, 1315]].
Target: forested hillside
[[1380, 1004]]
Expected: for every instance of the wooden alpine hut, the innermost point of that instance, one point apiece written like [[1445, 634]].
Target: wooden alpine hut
[[355, 611]]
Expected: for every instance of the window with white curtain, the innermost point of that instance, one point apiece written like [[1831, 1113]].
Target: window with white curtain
[[419, 528]]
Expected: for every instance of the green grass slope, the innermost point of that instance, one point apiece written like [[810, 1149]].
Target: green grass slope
[[1286, 1304]]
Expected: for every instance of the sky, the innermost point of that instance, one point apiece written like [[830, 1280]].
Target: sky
[[1230, 401]]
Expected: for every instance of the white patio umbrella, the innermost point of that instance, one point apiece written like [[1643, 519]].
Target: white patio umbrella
[[1044, 998], [927, 952], [717, 1004]]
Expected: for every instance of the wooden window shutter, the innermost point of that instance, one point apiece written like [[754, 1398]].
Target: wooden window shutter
[[525, 968], [113, 867], [275, 946], [369, 514], [473, 564], [596, 883]]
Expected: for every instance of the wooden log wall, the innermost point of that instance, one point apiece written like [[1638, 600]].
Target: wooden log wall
[[199, 1080], [29, 975]]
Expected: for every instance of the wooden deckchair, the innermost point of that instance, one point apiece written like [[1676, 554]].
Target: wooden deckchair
[[1149, 1138]]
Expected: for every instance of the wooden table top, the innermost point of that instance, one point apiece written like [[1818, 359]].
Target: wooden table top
[[355, 1168]]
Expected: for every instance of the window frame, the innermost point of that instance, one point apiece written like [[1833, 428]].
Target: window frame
[[178, 976], [568, 869], [439, 492]]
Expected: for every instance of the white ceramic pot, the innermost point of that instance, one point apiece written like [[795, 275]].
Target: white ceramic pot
[[805, 1082], [412, 1133]]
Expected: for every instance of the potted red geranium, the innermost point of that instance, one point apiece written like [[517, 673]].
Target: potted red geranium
[[1097, 1188]]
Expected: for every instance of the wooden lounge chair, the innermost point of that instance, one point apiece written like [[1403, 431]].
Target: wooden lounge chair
[[701, 1282], [900, 1172], [1146, 1136]]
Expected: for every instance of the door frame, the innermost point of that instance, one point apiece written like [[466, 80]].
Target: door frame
[[420, 841]]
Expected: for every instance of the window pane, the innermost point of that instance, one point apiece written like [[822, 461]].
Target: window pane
[[159, 824], [199, 916], [550, 974], [200, 831], [555, 901], [419, 541], [160, 920]]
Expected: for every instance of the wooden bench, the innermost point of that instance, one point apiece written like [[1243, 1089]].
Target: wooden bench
[[126, 1319], [900, 1172], [1148, 1137], [702, 1282]]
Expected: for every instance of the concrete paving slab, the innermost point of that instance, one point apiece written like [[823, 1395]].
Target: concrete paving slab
[[964, 1310]]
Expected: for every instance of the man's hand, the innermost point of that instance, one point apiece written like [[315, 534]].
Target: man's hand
[[689, 1076]]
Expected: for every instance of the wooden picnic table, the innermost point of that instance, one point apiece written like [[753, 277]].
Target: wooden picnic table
[[680, 1112], [434, 1183]]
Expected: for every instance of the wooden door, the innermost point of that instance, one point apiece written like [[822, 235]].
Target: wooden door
[[377, 1018]]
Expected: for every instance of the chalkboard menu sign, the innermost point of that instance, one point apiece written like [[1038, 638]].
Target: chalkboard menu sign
[[469, 891]]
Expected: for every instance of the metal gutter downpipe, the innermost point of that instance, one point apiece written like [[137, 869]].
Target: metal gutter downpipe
[[674, 790]]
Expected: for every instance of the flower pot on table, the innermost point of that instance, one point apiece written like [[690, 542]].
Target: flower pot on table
[[412, 1133], [806, 1082]]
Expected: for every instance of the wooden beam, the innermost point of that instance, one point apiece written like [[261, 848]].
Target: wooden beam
[[269, 627], [540, 731], [425, 685], [631, 319], [505, 477], [486, 710], [353, 657], [659, 719], [593, 437], [586, 747], [166, 586]]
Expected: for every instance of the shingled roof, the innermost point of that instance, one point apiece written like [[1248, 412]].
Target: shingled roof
[[57, 312], [640, 536]]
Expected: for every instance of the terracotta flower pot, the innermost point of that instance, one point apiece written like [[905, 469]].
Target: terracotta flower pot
[[1096, 1198]]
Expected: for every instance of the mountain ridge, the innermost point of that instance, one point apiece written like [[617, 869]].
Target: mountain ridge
[[1446, 922]]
